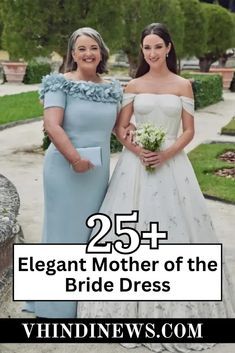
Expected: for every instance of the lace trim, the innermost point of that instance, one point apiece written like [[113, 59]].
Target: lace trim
[[110, 92]]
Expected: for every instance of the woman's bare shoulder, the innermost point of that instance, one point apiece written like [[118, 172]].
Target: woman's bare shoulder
[[184, 86], [133, 85]]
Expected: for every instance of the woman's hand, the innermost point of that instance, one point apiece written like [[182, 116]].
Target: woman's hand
[[129, 132], [153, 159], [82, 166]]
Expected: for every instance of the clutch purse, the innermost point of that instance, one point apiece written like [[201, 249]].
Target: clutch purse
[[93, 154]]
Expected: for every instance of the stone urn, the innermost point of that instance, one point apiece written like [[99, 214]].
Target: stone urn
[[14, 71], [227, 74]]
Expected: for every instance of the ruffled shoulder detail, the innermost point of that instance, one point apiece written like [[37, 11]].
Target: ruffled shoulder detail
[[110, 92], [128, 98], [188, 104]]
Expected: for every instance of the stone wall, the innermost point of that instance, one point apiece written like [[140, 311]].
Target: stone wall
[[9, 228]]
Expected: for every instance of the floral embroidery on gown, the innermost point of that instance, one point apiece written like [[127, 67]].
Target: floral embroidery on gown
[[171, 195]]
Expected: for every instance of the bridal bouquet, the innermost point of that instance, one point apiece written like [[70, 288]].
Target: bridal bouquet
[[149, 137]]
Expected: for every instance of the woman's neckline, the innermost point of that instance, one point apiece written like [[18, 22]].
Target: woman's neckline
[[84, 81], [159, 94]]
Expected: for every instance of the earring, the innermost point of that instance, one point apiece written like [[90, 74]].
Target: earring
[[167, 55]]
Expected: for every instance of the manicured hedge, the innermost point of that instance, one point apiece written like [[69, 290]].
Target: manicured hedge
[[208, 88], [35, 71]]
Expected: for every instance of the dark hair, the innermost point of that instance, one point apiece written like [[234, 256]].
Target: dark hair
[[160, 30], [92, 33]]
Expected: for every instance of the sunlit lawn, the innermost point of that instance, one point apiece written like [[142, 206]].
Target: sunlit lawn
[[19, 107], [229, 129], [205, 161]]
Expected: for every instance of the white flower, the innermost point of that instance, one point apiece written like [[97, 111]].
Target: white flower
[[16, 228], [5, 219], [149, 137]]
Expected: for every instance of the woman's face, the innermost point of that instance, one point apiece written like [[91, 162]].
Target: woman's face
[[86, 53], [155, 50]]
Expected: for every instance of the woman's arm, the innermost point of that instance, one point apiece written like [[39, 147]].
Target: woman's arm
[[128, 131], [123, 126], [123, 123], [157, 158], [53, 118]]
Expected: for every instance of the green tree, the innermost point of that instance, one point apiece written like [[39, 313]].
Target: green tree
[[25, 27], [194, 43], [1, 29], [103, 15], [133, 23], [38, 27], [137, 14], [219, 34], [229, 5], [170, 13], [106, 17], [228, 53], [233, 30]]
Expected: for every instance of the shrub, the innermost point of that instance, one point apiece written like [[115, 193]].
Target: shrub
[[115, 145], [207, 88], [46, 141], [35, 71]]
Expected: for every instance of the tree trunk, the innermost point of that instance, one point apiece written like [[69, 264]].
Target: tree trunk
[[179, 66], [133, 65], [205, 64], [222, 61]]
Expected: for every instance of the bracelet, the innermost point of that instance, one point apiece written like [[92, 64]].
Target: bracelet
[[76, 162]]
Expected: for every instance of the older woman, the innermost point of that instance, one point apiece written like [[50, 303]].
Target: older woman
[[80, 110]]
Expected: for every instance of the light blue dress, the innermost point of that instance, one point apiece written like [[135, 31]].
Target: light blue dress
[[90, 111]]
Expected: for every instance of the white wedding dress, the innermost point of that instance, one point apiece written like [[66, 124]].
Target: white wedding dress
[[171, 195]]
